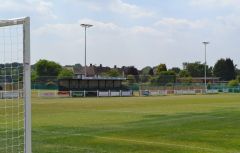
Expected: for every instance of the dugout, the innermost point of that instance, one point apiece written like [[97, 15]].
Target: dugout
[[91, 84]]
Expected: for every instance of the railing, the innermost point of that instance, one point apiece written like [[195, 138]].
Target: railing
[[84, 93]]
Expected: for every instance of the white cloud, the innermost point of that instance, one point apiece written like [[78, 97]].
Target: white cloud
[[115, 6], [41, 7], [106, 40], [139, 42], [182, 23], [44, 8], [109, 43], [132, 10], [94, 7], [215, 3], [229, 21]]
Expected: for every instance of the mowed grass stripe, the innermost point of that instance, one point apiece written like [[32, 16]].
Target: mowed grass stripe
[[170, 124], [191, 147]]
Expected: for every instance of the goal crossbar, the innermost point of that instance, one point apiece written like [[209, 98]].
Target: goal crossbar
[[11, 22]]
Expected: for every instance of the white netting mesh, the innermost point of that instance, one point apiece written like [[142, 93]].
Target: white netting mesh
[[11, 90]]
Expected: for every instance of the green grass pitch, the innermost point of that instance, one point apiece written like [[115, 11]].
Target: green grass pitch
[[168, 124]]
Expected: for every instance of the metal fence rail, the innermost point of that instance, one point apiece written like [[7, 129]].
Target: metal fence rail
[[84, 93]]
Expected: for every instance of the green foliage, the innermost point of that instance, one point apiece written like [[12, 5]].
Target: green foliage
[[165, 77], [197, 69], [186, 80], [146, 74], [238, 78], [77, 65], [184, 73], [47, 68], [65, 73], [161, 68], [34, 75], [145, 78], [233, 83], [147, 71], [238, 72], [225, 69], [175, 69], [131, 70], [131, 79], [113, 73]]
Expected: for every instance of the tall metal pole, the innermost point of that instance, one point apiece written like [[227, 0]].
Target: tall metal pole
[[85, 52], [205, 66], [85, 28]]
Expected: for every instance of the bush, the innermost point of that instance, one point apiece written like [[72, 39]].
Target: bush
[[164, 78], [233, 83], [238, 78], [113, 73], [65, 73], [131, 79]]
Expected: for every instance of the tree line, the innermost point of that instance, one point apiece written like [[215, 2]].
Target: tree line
[[225, 69]]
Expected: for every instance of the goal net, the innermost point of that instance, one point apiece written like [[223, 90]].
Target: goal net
[[15, 107]]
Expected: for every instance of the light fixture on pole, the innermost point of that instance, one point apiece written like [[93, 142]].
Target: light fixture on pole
[[205, 65], [85, 26]]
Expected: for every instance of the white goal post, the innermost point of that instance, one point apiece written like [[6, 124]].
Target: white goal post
[[15, 86]]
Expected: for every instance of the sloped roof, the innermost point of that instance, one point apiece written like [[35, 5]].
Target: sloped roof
[[81, 71]]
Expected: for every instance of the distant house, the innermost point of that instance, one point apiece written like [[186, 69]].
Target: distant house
[[93, 81], [93, 70], [99, 70], [79, 72], [69, 67]]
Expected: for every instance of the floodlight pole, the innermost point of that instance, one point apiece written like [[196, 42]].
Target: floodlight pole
[[85, 26], [205, 66]]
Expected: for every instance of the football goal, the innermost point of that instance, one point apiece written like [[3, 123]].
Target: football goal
[[15, 90]]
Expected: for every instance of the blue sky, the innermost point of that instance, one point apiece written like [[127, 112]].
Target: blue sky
[[130, 32]]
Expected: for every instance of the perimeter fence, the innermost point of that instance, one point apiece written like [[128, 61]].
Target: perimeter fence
[[141, 85]]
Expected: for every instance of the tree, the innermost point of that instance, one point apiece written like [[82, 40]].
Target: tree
[[145, 78], [78, 65], [146, 74], [164, 78], [47, 68], [225, 69], [197, 69], [233, 83], [113, 73], [161, 68], [131, 79], [65, 73], [184, 74], [238, 71], [151, 72], [146, 71], [34, 76], [131, 70], [231, 69], [175, 69]]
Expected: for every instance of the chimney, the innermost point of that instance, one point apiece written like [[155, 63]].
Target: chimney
[[115, 66], [100, 66], [91, 65]]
